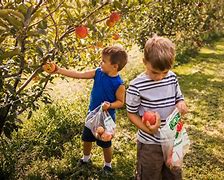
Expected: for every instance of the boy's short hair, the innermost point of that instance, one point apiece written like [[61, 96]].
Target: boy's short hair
[[117, 56], [159, 52]]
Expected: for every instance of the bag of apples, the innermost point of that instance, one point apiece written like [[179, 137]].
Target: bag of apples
[[175, 141], [101, 124]]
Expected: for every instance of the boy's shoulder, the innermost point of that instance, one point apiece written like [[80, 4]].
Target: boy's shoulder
[[142, 77], [171, 74], [139, 78]]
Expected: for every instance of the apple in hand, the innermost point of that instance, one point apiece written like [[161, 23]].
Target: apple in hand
[[49, 67], [150, 117]]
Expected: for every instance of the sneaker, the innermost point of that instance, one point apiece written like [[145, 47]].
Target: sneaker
[[81, 162], [107, 169]]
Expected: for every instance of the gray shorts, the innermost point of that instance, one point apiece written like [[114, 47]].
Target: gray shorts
[[151, 165]]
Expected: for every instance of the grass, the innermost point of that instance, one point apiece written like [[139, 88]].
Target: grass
[[49, 145]]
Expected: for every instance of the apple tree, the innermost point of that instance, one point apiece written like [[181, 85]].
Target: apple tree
[[73, 33], [34, 32]]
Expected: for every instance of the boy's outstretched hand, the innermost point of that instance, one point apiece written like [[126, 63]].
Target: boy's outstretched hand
[[154, 128], [182, 107]]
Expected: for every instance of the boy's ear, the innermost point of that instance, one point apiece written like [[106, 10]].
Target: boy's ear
[[115, 66]]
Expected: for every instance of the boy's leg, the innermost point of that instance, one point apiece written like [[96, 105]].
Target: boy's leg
[[107, 152], [87, 138], [175, 174], [87, 147], [149, 161]]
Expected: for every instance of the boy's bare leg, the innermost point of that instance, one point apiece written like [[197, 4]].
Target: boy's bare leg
[[87, 146], [107, 152]]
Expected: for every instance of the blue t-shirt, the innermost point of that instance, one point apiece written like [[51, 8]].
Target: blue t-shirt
[[104, 89]]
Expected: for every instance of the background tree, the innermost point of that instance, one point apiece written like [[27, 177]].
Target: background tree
[[72, 33]]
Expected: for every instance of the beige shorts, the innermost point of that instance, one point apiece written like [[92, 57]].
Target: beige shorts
[[151, 166]]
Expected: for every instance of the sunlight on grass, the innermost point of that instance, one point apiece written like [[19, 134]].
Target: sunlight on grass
[[49, 144], [202, 83]]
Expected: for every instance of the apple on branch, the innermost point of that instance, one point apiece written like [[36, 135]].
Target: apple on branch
[[115, 16], [81, 31]]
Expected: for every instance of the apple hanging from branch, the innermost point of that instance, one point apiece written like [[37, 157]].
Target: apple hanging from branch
[[81, 32]]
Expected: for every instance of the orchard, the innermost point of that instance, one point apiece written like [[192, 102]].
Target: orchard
[[36, 36]]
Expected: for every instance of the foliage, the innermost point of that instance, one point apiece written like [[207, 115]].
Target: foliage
[[187, 23], [49, 144], [34, 32]]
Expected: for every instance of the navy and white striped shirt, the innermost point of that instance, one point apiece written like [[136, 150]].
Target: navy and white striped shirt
[[145, 94]]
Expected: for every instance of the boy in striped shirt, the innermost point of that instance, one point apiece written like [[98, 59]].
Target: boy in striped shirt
[[157, 89]]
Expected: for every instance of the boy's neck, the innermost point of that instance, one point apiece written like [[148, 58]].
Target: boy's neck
[[112, 73]]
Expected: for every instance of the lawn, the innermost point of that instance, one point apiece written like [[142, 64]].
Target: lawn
[[49, 144]]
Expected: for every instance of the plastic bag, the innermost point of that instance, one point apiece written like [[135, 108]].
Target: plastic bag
[[101, 124], [175, 141]]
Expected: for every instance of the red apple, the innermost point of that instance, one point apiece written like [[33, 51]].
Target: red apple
[[150, 117], [81, 32], [115, 16], [110, 23], [116, 36], [106, 136], [49, 67], [100, 130]]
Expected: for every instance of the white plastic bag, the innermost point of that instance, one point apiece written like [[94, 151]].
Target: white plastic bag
[[175, 141], [101, 124]]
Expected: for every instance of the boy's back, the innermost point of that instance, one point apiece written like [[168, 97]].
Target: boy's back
[[104, 89]]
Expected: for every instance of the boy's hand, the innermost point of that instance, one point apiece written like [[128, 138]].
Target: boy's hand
[[106, 105], [182, 107], [154, 128]]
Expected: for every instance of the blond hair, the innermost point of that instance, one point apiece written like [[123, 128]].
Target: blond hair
[[159, 52]]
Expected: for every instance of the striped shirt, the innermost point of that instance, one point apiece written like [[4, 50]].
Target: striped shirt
[[145, 94]]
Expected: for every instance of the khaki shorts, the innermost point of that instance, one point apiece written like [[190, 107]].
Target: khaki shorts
[[151, 166]]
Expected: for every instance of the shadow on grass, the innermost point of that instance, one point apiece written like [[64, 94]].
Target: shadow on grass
[[213, 57], [202, 157]]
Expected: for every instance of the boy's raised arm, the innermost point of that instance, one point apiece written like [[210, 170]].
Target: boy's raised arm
[[76, 74]]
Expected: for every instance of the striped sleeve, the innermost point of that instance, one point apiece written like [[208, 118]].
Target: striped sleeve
[[179, 95], [132, 99]]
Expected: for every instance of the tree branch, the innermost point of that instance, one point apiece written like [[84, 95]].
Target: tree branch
[[70, 29], [55, 24], [37, 6], [90, 14], [38, 95], [47, 15], [29, 79]]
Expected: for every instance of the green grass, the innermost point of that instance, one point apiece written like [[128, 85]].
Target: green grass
[[49, 145]]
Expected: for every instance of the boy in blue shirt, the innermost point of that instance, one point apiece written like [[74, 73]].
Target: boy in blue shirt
[[109, 90]]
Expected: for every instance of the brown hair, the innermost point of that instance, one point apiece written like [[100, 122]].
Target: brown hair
[[117, 56], [159, 52]]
